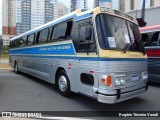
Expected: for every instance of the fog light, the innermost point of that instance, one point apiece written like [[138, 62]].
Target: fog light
[[117, 81], [122, 80], [144, 75]]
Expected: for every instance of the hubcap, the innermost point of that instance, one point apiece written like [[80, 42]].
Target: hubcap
[[62, 83]]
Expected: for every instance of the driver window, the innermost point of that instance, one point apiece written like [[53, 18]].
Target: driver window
[[86, 40]]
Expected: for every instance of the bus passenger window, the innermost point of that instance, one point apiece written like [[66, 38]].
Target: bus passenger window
[[144, 38], [86, 41], [155, 39], [69, 29], [159, 39], [22, 41], [30, 39], [59, 31], [43, 36], [17, 43]]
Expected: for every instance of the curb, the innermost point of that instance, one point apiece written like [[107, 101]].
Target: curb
[[6, 68]]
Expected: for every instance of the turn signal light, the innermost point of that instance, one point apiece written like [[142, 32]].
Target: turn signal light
[[107, 80]]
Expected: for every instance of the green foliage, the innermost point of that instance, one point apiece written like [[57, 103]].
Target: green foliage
[[4, 55], [5, 49]]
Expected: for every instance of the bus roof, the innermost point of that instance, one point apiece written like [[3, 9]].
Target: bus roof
[[150, 29], [76, 15], [73, 15]]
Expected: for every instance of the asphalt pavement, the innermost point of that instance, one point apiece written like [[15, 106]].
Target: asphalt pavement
[[21, 92]]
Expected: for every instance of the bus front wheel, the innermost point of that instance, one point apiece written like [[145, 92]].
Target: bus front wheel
[[63, 83]]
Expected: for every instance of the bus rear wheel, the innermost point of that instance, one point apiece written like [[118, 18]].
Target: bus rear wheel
[[63, 84], [16, 68]]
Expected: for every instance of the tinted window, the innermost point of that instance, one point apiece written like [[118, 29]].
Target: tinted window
[[152, 39], [59, 31], [44, 35], [30, 39], [22, 41], [16, 43], [86, 41], [115, 33]]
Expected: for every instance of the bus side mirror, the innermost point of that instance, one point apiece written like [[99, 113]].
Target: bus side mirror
[[88, 33]]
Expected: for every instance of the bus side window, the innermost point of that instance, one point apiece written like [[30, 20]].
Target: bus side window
[[59, 31], [159, 39], [86, 40], [17, 43], [22, 41], [43, 36], [75, 35], [30, 39], [154, 39], [69, 29], [144, 38]]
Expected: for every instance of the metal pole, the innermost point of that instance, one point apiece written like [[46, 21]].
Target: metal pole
[[143, 9]]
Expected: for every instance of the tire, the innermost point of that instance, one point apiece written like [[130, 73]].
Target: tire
[[63, 84], [16, 68]]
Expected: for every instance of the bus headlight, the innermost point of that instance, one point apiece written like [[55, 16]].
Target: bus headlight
[[119, 79], [144, 75]]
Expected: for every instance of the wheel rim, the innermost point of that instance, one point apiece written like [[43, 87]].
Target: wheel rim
[[62, 83]]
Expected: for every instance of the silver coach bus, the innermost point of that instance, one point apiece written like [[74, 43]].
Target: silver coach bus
[[97, 53]]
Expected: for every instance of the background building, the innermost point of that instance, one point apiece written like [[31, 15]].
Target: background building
[[25, 16], [129, 5], [18, 16], [82, 4], [9, 20], [62, 9], [38, 9], [33, 13], [9, 17], [73, 5], [103, 3], [55, 9], [150, 15]]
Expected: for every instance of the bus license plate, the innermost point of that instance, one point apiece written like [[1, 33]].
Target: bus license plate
[[134, 77]]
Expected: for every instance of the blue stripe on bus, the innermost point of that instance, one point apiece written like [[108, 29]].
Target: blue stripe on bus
[[92, 59], [54, 49]]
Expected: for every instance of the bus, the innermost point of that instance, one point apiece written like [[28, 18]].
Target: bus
[[97, 53], [151, 40]]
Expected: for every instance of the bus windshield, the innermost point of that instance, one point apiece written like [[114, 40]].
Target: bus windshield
[[115, 33]]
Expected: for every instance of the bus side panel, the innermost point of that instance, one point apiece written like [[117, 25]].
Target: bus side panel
[[153, 53]]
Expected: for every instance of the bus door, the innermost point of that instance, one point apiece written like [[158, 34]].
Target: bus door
[[87, 65]]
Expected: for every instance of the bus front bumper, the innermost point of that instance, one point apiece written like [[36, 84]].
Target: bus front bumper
[[118, 95]]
